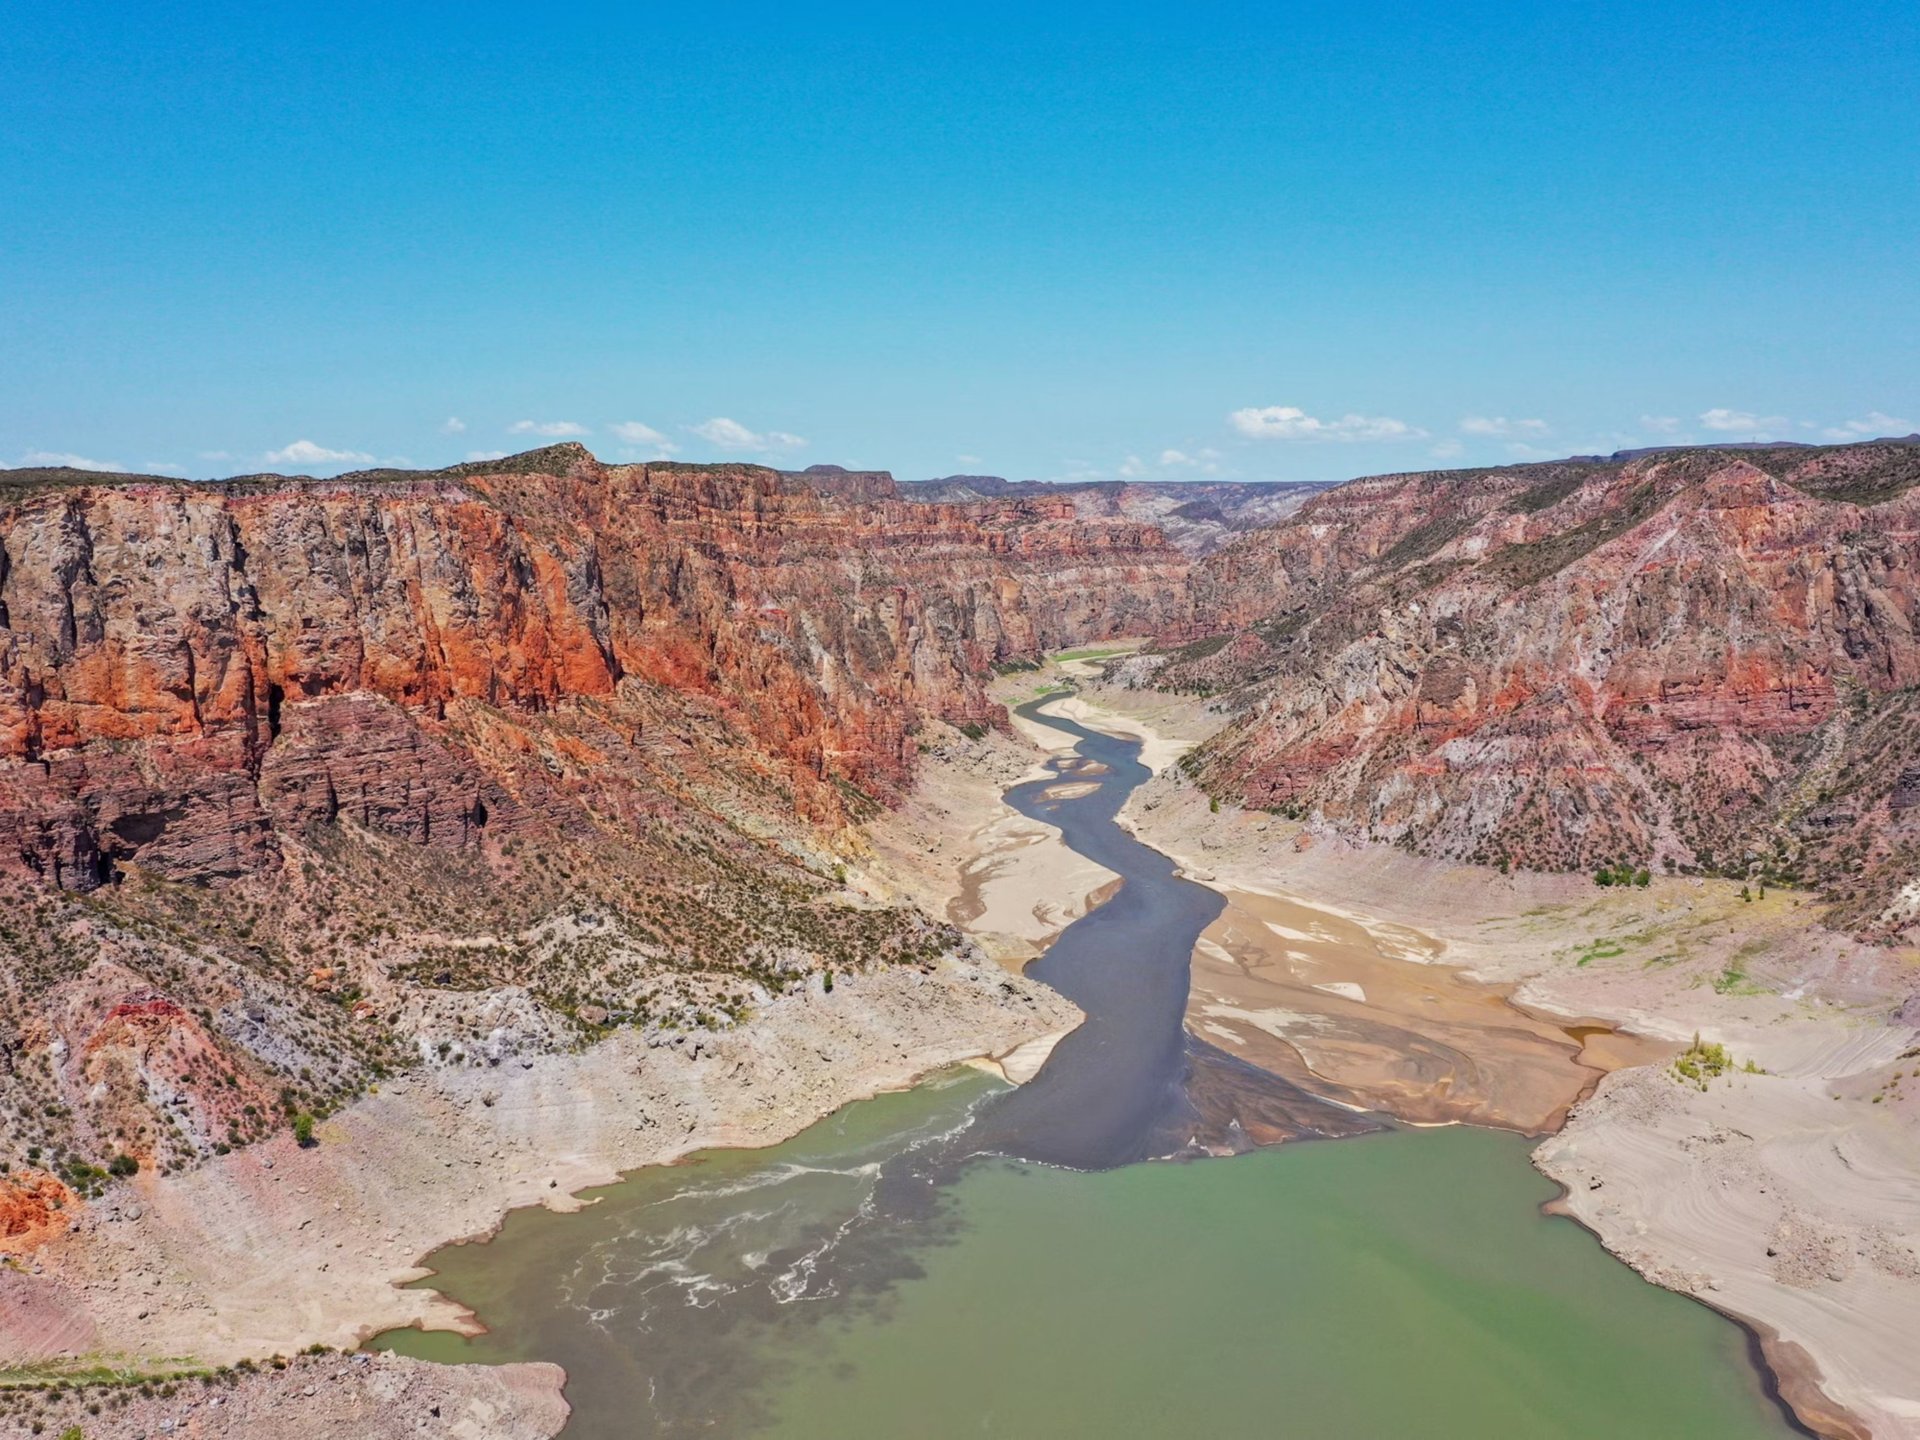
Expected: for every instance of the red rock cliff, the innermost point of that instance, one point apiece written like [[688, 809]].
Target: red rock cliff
[[186, 669], [1699, 657]]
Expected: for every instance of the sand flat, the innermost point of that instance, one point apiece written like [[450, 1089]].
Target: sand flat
[[1421, 1041]]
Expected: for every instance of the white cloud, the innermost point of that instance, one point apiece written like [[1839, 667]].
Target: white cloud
[[1501, 425], [72, 461], [1869, 426], [486, 454], [1448, 450], [1660, 424], [453, 425], [305, 452], [728, 434], [1133, 467], [214, 455], [1205, 460], [634, 433], [1286, 422], [161, 467], [968, 459], [553, 429], [1520, 450], [1744, 421]]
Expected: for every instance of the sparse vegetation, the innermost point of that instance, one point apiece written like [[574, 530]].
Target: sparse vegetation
[[1702, 1062], [1622, 873]]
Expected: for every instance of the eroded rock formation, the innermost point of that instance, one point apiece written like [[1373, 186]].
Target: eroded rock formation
[[188, 670], [1697, 658]]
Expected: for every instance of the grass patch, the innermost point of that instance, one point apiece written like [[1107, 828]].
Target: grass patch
[[1734, 980], [1605, 948], [92, 1370]]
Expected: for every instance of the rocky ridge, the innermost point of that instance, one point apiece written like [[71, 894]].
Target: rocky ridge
[[1197, 516], [1686, 660]]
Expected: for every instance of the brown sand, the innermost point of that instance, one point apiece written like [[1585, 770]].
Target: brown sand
[[1348, 1013]]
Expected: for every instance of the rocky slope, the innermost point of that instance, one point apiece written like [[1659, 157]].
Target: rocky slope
[[309, 1397], [1198, 516], [305, 782], [1688, 659]]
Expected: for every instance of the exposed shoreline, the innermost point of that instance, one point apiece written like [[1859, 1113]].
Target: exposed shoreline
[[275, 1248], [1830, 1339]]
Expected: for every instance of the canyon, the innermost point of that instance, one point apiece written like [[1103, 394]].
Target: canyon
[[537, 794], [305, 781]]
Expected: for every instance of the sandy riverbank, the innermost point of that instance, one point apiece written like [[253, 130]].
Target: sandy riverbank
[[1788, 1199], [959, 851], [1366, 1017], [272, 1248]]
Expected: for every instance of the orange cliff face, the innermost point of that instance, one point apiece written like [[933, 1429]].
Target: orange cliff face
[[186, 670], [1703, 657]]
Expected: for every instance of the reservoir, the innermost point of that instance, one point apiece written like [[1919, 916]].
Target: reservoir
[[965, 1259]]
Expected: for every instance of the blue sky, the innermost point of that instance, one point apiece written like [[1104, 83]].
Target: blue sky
[[1260, 242]]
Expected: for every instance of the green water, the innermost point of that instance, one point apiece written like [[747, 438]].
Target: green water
[[1403, 1284]]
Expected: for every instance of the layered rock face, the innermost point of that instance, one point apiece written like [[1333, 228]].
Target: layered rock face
[[305, 781], [1697, 658], [188, 670], [1197, 516]]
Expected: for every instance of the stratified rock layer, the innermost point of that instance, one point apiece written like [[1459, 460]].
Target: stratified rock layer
[[187, 671], [1703, 657]]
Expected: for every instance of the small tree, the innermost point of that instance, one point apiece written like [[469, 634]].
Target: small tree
[[303, 1130]]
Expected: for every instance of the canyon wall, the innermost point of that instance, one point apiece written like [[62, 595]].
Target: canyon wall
[[307, 782], [1696, 658], [186, 670]]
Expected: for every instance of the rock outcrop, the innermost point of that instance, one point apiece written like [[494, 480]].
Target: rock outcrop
[[1197, 516], [1693, 658], [188, 670]]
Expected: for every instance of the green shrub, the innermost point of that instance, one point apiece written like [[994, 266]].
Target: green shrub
[[1702, 1061], [1623, 873], [303, 1130]]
